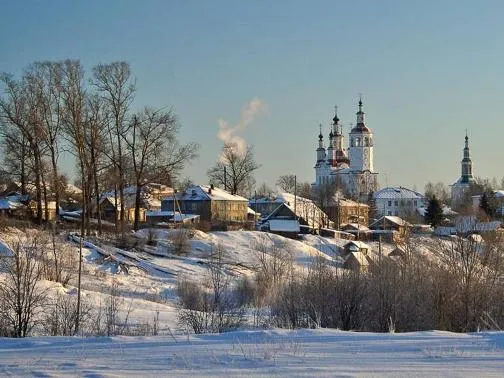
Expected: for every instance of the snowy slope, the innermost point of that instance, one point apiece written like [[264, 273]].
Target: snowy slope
[[306, 353]]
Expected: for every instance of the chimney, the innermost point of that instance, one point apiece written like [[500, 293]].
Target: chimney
[[210, 190], [211, 186]]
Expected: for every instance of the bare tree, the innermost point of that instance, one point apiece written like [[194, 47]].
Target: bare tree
[[74, 102], [21, 296], [20, 108], [46, 79], [155, 151], [114, 83], [287, 183], [234, 171]]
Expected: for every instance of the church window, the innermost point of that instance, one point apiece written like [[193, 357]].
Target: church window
[[352, 142], [358, 142]]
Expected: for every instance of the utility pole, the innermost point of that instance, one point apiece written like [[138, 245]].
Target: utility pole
[[295, 197]]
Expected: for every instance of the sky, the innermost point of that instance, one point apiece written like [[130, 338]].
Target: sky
[[267, 73]]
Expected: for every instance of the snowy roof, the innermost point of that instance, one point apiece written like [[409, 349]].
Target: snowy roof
[[358, 244], [206, 193], [347, 202], [252, 211], [305, 209], [397, 193], [5, 250], [6, 204], [355, 226], [284, 225], [391, 218]]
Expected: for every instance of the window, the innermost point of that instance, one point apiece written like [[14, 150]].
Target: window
[[390, 203], [396, 213], [194, 206], [389, 212], [396, 203], [416, 203]]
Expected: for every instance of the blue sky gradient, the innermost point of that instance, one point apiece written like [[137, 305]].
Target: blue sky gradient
[[428, 70]]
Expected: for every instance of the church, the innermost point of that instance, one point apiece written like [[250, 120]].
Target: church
[[349, 169]]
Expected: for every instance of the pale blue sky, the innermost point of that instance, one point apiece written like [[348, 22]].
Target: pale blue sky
[[427, 70]]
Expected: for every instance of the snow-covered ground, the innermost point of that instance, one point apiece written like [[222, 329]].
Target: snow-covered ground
[[146, 280], [307, 353]]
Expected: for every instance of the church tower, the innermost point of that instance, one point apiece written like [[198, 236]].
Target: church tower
[[466, 164], [321, 152], [361, 145], [466, 178], [341, 158]]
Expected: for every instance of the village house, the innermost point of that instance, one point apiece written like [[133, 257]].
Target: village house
[[399, 201], [391, 223], [344, 211], [355, 246], [209, 202], [357, 261], [110, 206]]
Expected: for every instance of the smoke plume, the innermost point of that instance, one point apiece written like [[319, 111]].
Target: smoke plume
[[233, 134]]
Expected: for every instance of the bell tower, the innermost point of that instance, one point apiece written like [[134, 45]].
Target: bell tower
[[361, 145]]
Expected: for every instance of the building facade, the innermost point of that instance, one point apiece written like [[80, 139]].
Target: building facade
[[398, 201], [350, 170]]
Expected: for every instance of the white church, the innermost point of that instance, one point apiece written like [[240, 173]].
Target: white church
[[352, 168]]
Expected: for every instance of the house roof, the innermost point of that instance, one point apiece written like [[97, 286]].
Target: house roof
[[205, 193], [355, 226], [6, 204], [5, 250], [397, 193], [392, 219], [358, 244]]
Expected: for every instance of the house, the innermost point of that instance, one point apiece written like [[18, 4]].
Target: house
[[51, 209], [308, 213], [265, 205], [209, 202], [398, 201], [282, 221], [110, 207], [357, 261], [12, 208], [391, 223], [343, 211], [355, 246]]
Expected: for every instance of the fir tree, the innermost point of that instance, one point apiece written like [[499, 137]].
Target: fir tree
[[485, 205], [433, 213]]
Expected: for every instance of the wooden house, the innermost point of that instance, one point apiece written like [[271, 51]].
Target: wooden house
[[209, 202], [357, 261], [391, 223]]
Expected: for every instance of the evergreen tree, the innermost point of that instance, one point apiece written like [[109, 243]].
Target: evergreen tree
[[434, 212], [485, 204]]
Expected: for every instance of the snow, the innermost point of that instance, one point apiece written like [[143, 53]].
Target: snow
[[206, 193], [300, 353], [147, 277]]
